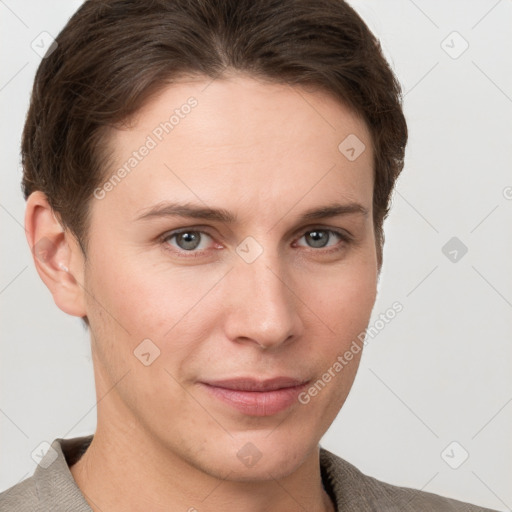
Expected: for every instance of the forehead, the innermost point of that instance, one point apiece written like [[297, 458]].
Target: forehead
[[240, 139]]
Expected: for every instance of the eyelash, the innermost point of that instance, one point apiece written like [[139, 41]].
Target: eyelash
[[344, 237]]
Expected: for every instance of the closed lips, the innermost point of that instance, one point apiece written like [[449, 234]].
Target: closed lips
[[245, 384], [256, 397]]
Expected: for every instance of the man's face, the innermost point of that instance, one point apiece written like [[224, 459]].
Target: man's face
[[265, 295]]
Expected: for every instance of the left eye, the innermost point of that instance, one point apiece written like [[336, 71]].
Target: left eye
[[319, 238]]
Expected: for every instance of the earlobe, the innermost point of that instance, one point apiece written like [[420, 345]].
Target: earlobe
[[57, 257]]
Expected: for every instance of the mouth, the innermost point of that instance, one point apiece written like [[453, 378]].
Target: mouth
[[255, 397]]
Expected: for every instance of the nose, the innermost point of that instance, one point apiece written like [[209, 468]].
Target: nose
[[262, 304]]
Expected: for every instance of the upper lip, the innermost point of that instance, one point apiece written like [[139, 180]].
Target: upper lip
[[252, 384]]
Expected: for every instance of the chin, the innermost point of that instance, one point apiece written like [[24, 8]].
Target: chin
[[255, 458]]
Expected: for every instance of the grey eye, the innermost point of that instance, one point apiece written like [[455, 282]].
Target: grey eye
[[318, 238], [187, 240]]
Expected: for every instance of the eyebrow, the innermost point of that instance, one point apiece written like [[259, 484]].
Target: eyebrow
[[195, 211]]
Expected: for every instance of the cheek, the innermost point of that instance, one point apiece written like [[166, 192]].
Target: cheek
[[343, 302], [142, 301], [344, 297]]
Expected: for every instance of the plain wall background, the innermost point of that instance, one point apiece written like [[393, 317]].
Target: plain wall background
[[440, 371]]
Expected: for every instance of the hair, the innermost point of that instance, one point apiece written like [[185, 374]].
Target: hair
[[114, 55]]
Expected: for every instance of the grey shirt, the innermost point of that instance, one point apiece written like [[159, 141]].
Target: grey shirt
[[52, 487]]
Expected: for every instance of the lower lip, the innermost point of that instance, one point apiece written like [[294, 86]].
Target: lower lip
[[257, 403]]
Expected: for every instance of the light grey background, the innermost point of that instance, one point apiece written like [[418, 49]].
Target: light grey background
[[440, 371]]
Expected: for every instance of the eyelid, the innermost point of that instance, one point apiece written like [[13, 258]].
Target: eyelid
[[343, 233]]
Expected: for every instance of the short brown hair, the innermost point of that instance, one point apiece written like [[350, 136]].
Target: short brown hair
[[113, 55]]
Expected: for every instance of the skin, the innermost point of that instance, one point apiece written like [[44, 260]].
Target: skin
[[267, 153]]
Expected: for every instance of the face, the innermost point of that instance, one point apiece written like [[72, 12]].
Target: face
[[248, 289]]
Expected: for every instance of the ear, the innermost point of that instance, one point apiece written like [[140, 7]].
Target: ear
[[57, 255]]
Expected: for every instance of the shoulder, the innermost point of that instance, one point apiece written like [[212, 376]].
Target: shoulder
[[20, 497], [353, 490], [51, 487]]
